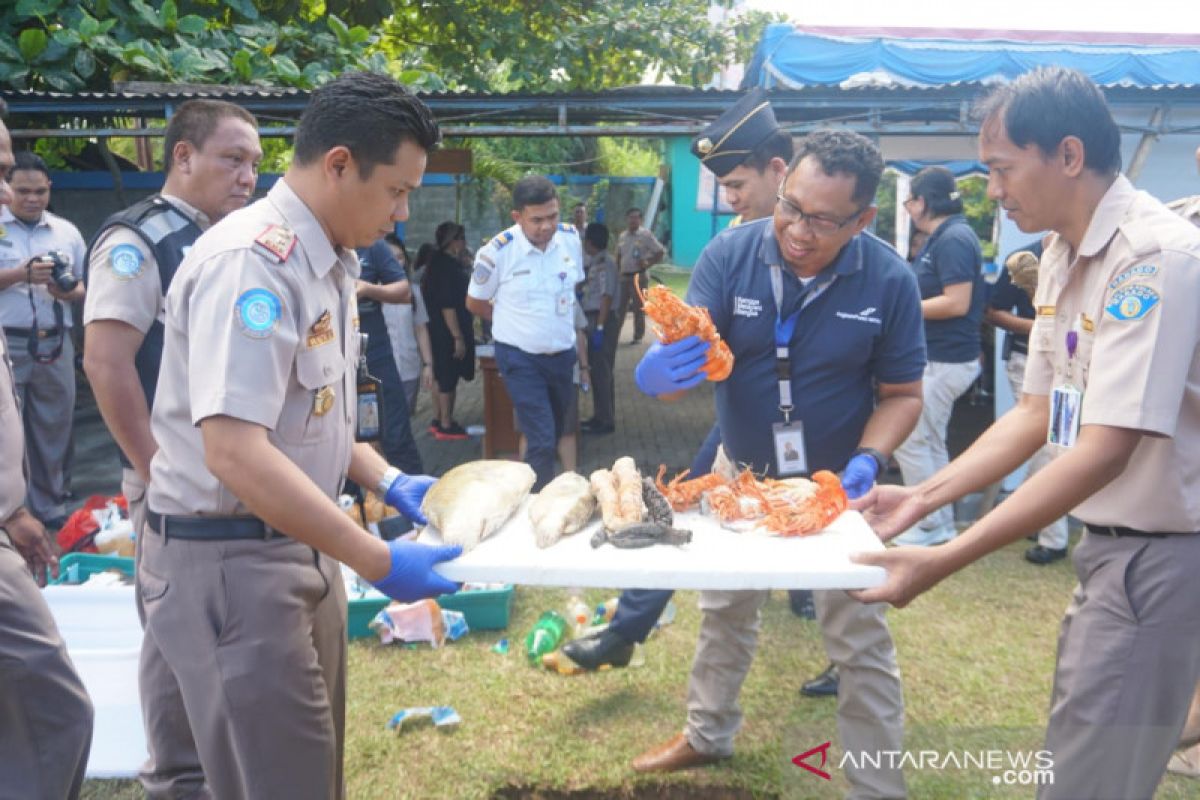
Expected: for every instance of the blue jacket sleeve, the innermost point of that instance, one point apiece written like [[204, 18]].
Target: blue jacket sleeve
[[900, 354]]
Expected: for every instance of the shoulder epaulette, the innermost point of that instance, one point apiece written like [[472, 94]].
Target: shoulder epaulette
[[501, 239], [567, 227], [277, 241]]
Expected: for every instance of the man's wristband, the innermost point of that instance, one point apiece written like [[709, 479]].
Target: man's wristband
[[881, 460], [389, 477]]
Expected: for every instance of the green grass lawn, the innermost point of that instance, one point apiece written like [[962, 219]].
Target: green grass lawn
[[976, 655]]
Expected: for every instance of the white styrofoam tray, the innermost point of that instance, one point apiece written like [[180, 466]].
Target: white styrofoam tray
[[716, 558], [104, 639]]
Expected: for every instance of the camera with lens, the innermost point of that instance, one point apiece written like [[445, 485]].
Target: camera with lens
[[60, 272]]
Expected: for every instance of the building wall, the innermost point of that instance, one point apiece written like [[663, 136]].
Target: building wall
[[691, 230]]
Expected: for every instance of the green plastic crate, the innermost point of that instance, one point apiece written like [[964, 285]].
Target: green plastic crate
[[78, 567], [483, 609]]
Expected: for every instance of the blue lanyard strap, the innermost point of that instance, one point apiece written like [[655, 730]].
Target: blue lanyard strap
[[784, 329]]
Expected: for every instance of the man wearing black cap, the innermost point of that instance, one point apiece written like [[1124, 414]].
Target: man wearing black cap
[[749, 153]]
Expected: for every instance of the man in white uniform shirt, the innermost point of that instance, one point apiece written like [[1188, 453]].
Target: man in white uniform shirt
[[524, 281]]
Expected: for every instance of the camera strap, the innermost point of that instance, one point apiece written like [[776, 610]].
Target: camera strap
[[35, 333]]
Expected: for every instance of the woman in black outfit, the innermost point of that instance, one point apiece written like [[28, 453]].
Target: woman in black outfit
[[451, 329]]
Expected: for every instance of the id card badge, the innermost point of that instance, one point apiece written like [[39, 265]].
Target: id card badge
[[370, 416], [563, 303], [1065, 404], [789, 448]]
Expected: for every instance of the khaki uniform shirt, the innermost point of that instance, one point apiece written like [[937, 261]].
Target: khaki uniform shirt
[[601, 280], [12, 441], [647, 247], [1131, 292], [136, 300], [261, 326]]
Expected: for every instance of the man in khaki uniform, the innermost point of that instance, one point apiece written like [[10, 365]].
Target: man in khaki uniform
[[211, 159], [637, 251], [45, 714], [1114, 346], [254, 419]]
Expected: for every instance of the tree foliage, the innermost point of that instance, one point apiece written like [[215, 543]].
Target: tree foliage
[[74, 45]]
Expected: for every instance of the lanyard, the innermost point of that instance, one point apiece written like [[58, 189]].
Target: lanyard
[[784, 328]]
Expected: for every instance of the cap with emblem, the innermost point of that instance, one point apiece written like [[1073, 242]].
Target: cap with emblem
[[732, 137]]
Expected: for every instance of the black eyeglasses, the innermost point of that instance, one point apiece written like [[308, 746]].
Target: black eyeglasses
[[820, 226]]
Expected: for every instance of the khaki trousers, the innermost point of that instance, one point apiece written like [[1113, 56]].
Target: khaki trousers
[[1128, 661], [924, 452], [172, 771], [631, 302], [45, 713], [47, 393], [857, 640], [254, 634]]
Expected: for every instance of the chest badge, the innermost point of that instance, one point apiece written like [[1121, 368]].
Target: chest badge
[[323, 401], [321, 331]]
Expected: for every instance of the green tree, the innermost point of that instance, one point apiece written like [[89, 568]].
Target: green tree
[[74, 45]]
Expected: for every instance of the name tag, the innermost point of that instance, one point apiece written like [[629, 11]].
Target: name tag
[[790, 458], [1065, 405]]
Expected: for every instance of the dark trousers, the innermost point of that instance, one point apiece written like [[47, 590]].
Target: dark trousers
[[540, 386], [631, 302], [603, 363], [639, 609], [396, 439]]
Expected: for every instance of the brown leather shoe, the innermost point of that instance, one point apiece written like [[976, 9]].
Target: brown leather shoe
[[674, 754]]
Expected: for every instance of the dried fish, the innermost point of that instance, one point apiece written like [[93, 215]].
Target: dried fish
[[562, 507], [473, 500], [657, 508], [641, 534]]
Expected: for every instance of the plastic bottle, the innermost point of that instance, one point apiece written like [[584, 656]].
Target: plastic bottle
[[578, 615], [545, 636], [605, 612]]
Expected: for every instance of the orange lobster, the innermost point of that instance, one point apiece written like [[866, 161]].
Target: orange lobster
[[814, 514], [683, 494], [774, 503], [672, 320]]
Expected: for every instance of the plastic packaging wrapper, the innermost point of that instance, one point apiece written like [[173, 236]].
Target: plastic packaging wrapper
[[443, 718], [422, 621], [79, 532], [115, 533], [501, 647]]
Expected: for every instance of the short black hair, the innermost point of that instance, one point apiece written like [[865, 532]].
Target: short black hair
[[633, 210], [369, 114], [937, 187], [1048, 104], [533, 190], [777, 145], [597, 234], [398, 243], [579, 205], [26, 161], [195, 121], [844, 152]]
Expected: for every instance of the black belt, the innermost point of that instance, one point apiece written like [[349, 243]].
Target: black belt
[[1117, 530], [209, 529], [27, 333]]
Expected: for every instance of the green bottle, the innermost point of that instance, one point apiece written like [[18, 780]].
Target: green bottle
[[545, 636]]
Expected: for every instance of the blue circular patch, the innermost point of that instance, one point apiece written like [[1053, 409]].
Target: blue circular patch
[[126, 261], [258, 312]]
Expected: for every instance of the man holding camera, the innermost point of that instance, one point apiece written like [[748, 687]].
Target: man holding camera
[[40, 253]]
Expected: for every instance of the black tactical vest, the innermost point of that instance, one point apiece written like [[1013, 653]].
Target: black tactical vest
[[168, 232]]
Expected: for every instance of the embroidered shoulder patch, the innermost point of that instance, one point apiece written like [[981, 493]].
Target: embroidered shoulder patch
[[567, 227], [277, 241], [1132, 302], [1143, 271], [501, 239], [126, 262], [258, 312]]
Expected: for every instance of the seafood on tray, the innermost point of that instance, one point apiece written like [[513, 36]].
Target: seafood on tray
[[562, 507], [641, 534], [788, 507], [472, 500], [619, 493], [672, 320], [633, 511]]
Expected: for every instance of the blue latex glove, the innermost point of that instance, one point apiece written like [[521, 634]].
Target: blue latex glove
[[412, 577], [859, 475], [668, 368], [406, 494], [596, 340]]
